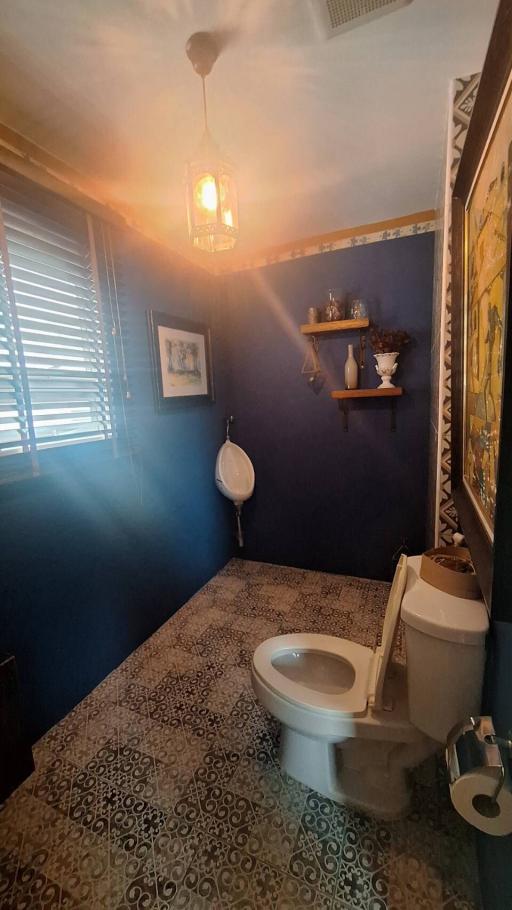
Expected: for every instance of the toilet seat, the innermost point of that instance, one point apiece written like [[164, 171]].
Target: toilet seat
[[353, 700], [368, 669]]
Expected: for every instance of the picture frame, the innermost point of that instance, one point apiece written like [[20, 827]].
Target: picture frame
[[181, 351], [481, 328]]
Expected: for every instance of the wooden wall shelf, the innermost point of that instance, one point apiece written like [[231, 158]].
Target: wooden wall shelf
[[367, 393], [343, 396], [340, 325]]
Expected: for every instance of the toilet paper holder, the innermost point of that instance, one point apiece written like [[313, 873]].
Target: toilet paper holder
[[474, 744]]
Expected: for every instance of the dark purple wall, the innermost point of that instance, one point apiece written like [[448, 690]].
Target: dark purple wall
[[326, 499]]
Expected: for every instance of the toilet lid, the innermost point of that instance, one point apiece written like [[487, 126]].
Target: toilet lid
[[353, 700], [389, 630]]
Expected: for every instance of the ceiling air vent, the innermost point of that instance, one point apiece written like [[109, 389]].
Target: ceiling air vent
[[337, 16]]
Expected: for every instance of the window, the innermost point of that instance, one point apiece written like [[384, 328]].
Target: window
[[54, 375]]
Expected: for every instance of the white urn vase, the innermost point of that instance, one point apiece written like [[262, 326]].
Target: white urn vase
[[386, 368]]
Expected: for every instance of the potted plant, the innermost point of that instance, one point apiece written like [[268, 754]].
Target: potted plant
[[386, 345]]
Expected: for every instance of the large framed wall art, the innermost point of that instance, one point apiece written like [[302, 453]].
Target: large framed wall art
[[482, 244]]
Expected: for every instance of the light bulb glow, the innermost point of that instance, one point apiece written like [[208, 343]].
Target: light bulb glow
[[211, 203], [206, 193]]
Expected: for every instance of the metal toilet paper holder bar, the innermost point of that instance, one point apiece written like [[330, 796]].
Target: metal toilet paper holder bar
[[473, 745]]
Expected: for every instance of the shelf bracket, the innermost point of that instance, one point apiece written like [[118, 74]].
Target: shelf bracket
[[362, 348], [343, 406]]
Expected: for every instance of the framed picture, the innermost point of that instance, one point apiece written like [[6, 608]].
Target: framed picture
[[481, 257], [182, 362]]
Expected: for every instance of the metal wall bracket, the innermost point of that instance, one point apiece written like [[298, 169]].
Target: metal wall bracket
[[344, 407], [362, 348]]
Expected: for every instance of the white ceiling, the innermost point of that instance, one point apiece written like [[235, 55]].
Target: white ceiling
[[326, 134]]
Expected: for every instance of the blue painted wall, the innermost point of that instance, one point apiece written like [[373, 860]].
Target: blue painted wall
[[326, 499], [95, 558]]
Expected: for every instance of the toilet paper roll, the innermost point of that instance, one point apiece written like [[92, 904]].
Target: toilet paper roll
[[473, 797]]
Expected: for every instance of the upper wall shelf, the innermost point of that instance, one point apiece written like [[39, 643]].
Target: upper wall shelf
[[340, 325]]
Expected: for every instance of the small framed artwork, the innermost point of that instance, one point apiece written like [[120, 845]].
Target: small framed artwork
[[481, 258], [182, 360]]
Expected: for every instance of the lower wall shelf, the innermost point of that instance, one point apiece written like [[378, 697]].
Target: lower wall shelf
[[342, 396]]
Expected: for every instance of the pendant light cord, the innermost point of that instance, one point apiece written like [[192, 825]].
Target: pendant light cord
[[205, 111]]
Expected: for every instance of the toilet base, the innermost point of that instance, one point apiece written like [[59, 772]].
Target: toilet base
[[369, 775]]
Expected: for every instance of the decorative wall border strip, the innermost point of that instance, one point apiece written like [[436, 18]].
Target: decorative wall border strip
[[392, 229]]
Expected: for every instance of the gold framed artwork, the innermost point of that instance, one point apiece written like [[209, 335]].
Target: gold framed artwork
[[481, 257], [485, 294]]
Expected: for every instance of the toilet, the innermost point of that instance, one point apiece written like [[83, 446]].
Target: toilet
[[352, 721]]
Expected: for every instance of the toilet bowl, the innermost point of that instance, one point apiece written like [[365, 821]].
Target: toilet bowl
[[352, 721]]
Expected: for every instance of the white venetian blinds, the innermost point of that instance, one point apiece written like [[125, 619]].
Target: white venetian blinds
[[54, 380]]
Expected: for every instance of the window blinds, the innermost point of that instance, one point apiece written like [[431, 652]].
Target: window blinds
[[54, 379]]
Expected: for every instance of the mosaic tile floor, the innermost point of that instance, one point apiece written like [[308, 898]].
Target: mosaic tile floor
[[163, 789]]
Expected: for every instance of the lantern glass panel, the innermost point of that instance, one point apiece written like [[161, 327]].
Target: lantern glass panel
[[228, 201]]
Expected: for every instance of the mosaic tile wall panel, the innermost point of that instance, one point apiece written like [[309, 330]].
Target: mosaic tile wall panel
[[435, 361], [444, 515], [162, 789]]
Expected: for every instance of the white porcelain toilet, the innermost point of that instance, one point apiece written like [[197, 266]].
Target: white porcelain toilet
[[353, 721]]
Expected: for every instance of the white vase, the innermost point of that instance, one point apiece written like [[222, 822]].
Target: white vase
[[386, 368], [350, 369]]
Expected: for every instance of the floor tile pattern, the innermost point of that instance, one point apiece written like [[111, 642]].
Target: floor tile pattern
[[162, 789]]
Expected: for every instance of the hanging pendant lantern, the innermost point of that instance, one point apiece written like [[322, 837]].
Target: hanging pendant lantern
[[212, 203], [211, 199]]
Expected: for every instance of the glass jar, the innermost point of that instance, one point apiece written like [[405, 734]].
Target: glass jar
[[358, 309], [334, 308]]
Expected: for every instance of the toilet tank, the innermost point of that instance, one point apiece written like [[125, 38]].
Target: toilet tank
[[445, 645]]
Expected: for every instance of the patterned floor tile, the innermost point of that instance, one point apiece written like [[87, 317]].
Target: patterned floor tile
[[35, 891], [273, 837], [9, 864], [316, 860], [226, 815], [299, 895], [163, 790], [321, 816], [361, 890]]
